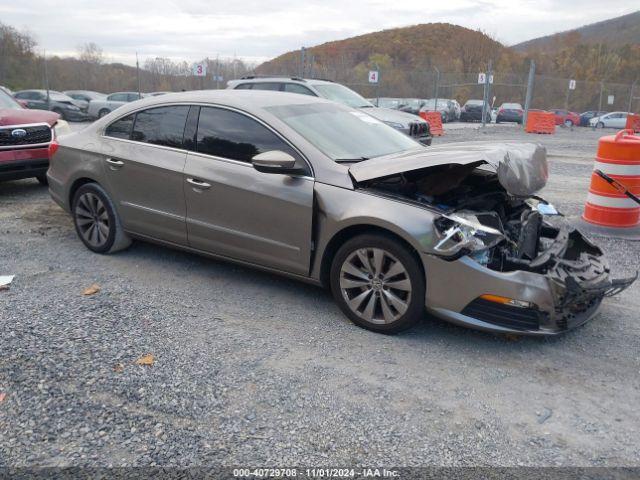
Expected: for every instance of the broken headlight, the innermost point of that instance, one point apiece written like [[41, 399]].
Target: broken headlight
[[463, 234]]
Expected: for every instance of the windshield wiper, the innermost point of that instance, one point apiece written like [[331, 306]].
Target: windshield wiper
[[350, 160]]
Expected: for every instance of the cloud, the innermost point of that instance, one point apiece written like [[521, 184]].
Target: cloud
[[261, 29]]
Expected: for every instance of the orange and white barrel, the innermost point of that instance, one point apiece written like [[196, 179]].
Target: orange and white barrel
[[619, 157]]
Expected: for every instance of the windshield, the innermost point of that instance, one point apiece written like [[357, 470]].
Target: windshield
[[341, 94], [60, 97], [6, 101], [429, 104], [343, 134]]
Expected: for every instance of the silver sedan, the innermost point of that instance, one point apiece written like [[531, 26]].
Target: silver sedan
[[321, 192]]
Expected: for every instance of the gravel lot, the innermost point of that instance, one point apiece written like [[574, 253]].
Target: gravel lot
[[253, 369]]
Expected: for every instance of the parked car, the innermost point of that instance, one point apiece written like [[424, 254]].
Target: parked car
[[98, 108], [472, 111], [83, 97], [610, 120], [25, 136], [412, 105], [408, 124], [586, 116], [386, 102], [322, 192], [6, 90], [565, 117], [66, 107], [510, 112], [446, 108]]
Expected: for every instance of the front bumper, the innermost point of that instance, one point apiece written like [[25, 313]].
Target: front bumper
[[559, 302], [23, 163], [76, 115]]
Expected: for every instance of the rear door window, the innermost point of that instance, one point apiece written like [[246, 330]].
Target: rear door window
[[161, 126], [267, 86], [228, 134], [296, 88]]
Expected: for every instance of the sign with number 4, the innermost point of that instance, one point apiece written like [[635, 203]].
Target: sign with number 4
[[374, 76]]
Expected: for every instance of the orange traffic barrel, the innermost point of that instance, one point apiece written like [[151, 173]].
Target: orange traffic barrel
[[435, 122], [619, 158]]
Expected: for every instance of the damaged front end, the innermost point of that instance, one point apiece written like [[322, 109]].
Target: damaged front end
[[488, 212]]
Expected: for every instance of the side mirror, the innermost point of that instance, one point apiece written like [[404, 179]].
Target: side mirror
[[276, 161]]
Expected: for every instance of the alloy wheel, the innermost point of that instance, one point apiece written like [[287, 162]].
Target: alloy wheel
[[375, 285], [92, 219]]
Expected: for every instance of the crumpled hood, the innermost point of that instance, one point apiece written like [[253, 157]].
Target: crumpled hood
[[14, 116], [389, 115], [522, 168]]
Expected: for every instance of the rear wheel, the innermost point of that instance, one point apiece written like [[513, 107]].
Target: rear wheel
[[103, 112], [599, 125], [568, 123], [378, 283], [96, 220]]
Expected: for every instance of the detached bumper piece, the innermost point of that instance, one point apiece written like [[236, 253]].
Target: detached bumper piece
[[507, 316]]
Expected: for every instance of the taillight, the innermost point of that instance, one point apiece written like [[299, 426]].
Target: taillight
[[53, 148]]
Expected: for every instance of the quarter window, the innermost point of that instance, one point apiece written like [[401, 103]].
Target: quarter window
[[121, 128], [295, 88], [229, 134], [267, 86], [161, 126]]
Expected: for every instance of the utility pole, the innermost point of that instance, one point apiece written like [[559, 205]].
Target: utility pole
[[437, 86], [600, 102], [138, 74], [46, 79], [303, 59], [633, 86], [529, 96], [485, 100], [217, 71]]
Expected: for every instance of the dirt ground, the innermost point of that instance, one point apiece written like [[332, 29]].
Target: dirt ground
[[253, 369]]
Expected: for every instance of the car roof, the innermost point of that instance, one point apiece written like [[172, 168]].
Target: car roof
[[257, 79], [243, 99]]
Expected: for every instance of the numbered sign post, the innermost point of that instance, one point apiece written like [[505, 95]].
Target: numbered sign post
[[200, 69], [611, 99], [482, 78], [572, 84], [374, 76]]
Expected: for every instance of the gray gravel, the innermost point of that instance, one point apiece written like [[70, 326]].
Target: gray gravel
[[253, 369]]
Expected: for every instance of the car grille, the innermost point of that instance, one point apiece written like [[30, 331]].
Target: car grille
[[515, 318], [418, 129], [33, 135]]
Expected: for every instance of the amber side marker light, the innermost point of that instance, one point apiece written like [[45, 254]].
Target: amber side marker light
[[506, 301]]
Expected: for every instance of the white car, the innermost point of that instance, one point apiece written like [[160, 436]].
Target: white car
[[610, 120], [100, 107]]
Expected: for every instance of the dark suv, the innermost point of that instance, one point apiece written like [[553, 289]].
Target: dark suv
[[57, 102]]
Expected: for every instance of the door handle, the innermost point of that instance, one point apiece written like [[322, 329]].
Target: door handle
[[114, 164], [198, 183]]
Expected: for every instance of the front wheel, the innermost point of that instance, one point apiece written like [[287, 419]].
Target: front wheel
[[599, 125], [96, 220], [59, 112], [42, 179], [568, 123], [378, 283]]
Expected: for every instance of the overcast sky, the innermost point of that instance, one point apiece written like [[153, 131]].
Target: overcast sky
[[260, 29]]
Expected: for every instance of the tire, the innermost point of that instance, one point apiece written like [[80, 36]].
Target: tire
[[93, 209], [43, 180], [599, 125], [103, 112], [385, 305], [568, 123]]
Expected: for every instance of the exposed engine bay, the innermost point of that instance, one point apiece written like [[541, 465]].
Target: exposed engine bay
[[499, 230]]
